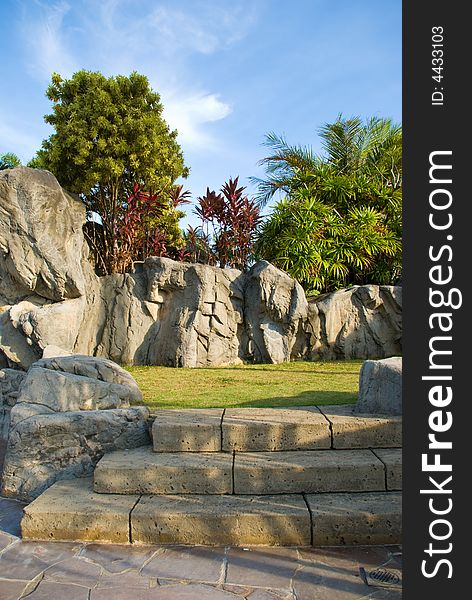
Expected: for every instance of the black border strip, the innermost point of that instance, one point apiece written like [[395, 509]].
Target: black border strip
[[434, 126]]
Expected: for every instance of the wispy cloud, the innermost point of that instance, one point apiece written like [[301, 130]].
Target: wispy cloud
[[117, 36], [209, 29], [43, 32], [190, 113]]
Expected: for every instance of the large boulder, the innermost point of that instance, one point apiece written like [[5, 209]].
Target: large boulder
[[73, 383], [357, 322], [67, 412], [275, 313], [380, 387], [120, 321], [33, 324], [198, 313], [41, 237], [96, 369], [46, 448], [44, 271]]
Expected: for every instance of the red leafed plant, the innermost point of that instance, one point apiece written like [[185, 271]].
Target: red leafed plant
[[146, 225], [234, 219]]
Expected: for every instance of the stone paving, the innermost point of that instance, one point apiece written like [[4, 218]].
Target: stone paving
[[89, 571]]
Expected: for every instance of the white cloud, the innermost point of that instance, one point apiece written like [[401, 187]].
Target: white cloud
[[114, 37], [43, 30], [178, 30], [209, 28], [189, 113]]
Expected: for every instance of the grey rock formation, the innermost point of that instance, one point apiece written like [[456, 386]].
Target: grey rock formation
[[44, 271], [118, 320], [357, 322], [10, 382], [53, 351], [46, 448], [275, 312], [169, 313], [95, 368], [40, 237], [72, 383], [67, 412], [380, 387], [44, 324], [16, 348], [199, 312], [48, 391]]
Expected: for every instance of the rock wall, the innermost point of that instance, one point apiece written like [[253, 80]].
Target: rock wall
[[61, 417], [166, 313], [10, 381], [357, 322]]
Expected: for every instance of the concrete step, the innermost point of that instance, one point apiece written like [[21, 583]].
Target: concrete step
[[141, 471], [273, 429], [392, 459], [349, 519], [282, 520], [189, 430], [70, 510], [308, 471], [353, 430]]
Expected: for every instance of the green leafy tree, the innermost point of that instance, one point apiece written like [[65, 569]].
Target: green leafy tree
[[9, 161], [350, 198], [109, 135], [322, 249]]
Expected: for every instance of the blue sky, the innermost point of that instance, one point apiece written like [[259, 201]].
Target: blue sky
[[228, 71]]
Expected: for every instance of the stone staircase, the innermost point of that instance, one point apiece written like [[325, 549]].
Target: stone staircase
[[291, 476]]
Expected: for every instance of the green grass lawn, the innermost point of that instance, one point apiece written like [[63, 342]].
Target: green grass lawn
[[289, 384]]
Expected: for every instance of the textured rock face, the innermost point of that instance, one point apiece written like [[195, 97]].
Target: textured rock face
[[46, 392], [40, 237], [198, 311], [72, 383], [275, 311], [67, 412], [119, 321], [10, 382], [380, 387], [98, 369], [44, 271], [357, 322], [46, 448], [168, 313]]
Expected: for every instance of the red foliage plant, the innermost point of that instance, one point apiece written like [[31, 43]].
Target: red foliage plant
[[138, 234], [234, 219]]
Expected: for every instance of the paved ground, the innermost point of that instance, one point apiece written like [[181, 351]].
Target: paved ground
[[80, 571]]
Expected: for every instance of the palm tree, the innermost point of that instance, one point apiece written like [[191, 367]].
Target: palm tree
[[9, 160], [350, 197], [351, 148]]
